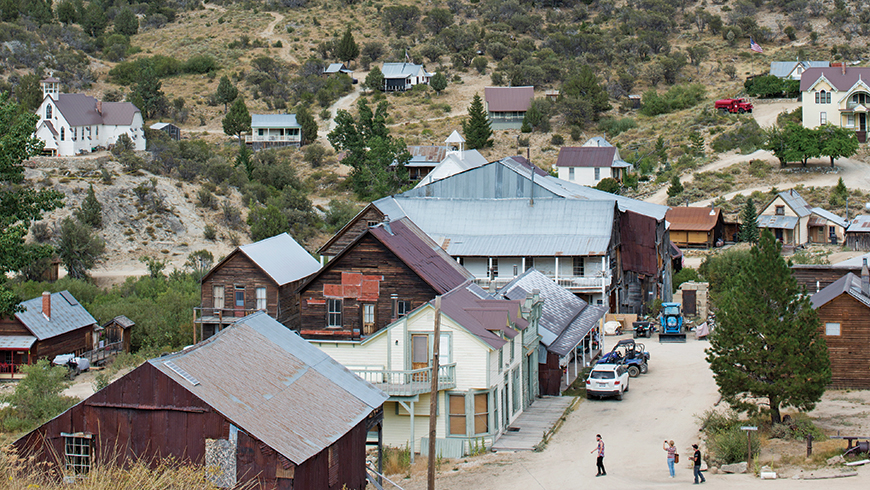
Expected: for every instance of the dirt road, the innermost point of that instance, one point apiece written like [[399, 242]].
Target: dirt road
[[660, 405]]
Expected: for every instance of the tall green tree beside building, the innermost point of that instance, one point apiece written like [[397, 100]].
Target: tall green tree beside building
[[226, 92], [308, 123], [237, 120], [748, 223], [477, 128], [347, 49]]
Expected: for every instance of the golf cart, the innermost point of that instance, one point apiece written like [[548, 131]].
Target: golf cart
[[629, 353]]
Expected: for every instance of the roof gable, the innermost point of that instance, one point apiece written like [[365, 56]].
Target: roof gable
[[66, 315], [849, 284], [280, 257], [687, 218], [586, 156], [509, 99]]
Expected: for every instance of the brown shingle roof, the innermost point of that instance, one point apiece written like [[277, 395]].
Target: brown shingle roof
[[586, 156], [835, 75], [692, 218], [508, 99], [81, 110]]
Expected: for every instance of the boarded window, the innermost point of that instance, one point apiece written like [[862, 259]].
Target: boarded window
[[333, 312], [333, 466], [481, 413], [218, 297], [579, 267], [77, 452], [457, 414], [261, 298], [832, 329]]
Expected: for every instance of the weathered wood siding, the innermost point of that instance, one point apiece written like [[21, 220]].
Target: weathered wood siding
[[850, 362], [288, 304], [9, 325], [817, 277], [239, 270], [369, 258], [858, 241], [73, 342], [357, 227]]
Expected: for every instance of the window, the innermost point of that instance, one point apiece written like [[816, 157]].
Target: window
[[817, 97], [368, 314], [97, 131], [372, 223], [780, 210], [240, 296], [823, 118], [500, 358], [828, 98], [6, 356], [850, 120], [597, 173], [260, 132], [420, 349], [218, 297], [62, 133], [261, 298], [402, 308], [48, 111], [481, 413], [823, 97], [333, 313], [579, 267], [832, 329], [571, 174], [494, 270], [77, 452], [512, 349], [75, 134], [456, 407]]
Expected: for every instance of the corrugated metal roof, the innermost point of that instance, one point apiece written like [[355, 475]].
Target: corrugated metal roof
[[853, 263], [850, 283], [509, 99], [685, 218], [401, 70], [586, 156], [795, 202], [431, 155], [483, 316], [66, 315], [454, 163], [776, 221], [9, 342], [275, 386], [840, 81], [510, 227], [829, 216], [281, 258], [413, 247], [565, 318], [861, 224], [597, 141], [274, 121], [159, 125], [337, 68], [783, 69]]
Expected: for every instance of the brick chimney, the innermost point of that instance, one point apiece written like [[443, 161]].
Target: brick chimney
[[100, 107], [46, 304], [865, 279]]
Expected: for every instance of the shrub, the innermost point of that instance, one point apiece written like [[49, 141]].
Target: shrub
[[209, 232], [748, 137], [612, 126], [729, 446], [608, 185], [231, 215], [677, 98], [37, 397], [557, 140], [200, 64], [206, 199], [686, 274], [759, 168]]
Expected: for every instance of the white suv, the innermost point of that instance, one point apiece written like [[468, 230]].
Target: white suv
[[607, 380]]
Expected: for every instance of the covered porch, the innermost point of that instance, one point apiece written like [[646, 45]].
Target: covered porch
[[14, 353], [783, 227]]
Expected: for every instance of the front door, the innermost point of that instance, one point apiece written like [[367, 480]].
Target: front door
[[239, 301], [862, 121], [778, 233], [689, 306], [420, 355]]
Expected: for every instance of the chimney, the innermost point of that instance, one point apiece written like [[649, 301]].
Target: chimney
[[865, 279], [100, 107], [843, 64], [46, 301]]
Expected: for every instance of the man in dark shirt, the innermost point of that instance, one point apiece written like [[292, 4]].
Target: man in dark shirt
[[696, 458]]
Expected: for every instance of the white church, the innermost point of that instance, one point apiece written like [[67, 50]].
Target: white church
[[73, 124]]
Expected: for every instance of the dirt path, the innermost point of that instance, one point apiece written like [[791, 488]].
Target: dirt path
[[660, 405], [269, 34], [345, 103]]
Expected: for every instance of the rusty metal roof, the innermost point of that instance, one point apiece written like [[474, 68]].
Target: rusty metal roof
[[508, 99], [861, 224], [419, 252], [692, 218], [778, 221], [426, 156], [274, 385]]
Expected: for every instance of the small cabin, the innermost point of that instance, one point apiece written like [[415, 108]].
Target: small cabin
[[274, 130]]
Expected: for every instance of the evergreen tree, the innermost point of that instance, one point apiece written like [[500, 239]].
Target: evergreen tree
[[146, 95], [676, 187], [238, 120], [375, 79], [226, 92], [66, 12], [28, 92], [308, 123], [438, 83], [476, 127], [243, 160], [94, 21], [584, 86], [767, 343], [347, 49], [79, 248], [748, 223], [22, 204], [91, 211], [126, 22]]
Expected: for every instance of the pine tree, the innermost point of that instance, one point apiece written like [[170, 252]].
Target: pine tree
[[477, 128], [147, 95], [347, 49], [94, 21], [237, 120], [126, 22], [749, 223], [375, 79], [767, 343], [438, 83], [309, 125], [226, 92], [676, 187], [91, 211]]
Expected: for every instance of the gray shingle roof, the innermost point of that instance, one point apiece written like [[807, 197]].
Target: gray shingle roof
[[850, 283], [81, 110], [283, 390], [281, 258], [565, 318], [274, 121], [66, 315]]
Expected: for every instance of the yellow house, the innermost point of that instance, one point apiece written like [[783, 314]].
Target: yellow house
[[837, 95], [791, 219]]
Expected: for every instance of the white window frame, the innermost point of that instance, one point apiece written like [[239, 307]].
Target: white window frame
[[850, 120], [597, 173], [832, 329], [219, 297], [823, 117], [261, 298], [77, 452], [579, 266], [368, 313], [571, 174], [333, 313]]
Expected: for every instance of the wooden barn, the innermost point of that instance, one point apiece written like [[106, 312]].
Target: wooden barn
[[696, 227], [844, 312], [47, 326], [386, 272], [261, 276], [858, 234], [115, 335], [284, 415]]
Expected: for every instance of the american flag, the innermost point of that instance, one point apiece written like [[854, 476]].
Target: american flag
[[754, 46]]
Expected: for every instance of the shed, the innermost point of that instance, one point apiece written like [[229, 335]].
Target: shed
[[858, 233], [172, 130], [336, 68], [282, 416], [844, 313], [699, 227], [115, 335]]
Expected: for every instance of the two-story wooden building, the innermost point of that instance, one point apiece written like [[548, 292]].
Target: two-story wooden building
[[261, 276], [383, 274]]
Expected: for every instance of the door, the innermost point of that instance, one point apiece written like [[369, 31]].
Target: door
[[239, 301], [689, 305], [862, 121], [778, 233], [420, 355]]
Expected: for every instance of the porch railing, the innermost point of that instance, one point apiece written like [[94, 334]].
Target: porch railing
[[409, 382], [570, 282], [220, 315]]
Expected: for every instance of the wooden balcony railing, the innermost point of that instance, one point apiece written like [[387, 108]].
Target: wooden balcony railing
[[577, 283], [408, 383], [220, 315]]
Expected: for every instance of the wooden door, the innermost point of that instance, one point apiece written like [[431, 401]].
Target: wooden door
[[420, 355], [689, 304]]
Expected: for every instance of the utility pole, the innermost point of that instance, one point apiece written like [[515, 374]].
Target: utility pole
[[433, 394]]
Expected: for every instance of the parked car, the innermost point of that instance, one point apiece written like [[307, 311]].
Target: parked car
[[75, 365], [607, 380]]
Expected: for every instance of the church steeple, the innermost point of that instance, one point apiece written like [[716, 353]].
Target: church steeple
[[50, 87]]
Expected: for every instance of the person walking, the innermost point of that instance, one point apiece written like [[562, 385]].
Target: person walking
[[696, 460], [600, 461], [672, 455]]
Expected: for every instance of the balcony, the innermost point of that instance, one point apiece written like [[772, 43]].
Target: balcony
[[571, 283], [409, 383], [223, 316], [272, 138]]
